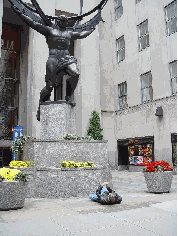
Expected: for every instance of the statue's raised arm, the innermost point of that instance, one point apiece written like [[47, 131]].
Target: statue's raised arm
[[40, 27], [58, 37], [84, 30], [31, 16]]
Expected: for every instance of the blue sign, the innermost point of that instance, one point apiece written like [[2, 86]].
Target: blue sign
[[17, 133]]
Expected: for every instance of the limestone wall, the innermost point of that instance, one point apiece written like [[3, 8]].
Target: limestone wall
[[140, 121]]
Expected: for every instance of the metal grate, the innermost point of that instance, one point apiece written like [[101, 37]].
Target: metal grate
[[8, 110]]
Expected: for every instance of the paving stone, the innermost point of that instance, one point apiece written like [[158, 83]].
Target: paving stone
[[32, 228], [86, 222], [140, 213], [170, 206], [165, 226], [120, 229]]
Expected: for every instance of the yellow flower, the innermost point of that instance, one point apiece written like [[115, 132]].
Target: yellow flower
[[18, 164], [8, 174]]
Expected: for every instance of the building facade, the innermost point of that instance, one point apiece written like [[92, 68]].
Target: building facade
[[144, 81], [128, 73]]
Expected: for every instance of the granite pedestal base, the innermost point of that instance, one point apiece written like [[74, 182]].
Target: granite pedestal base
[[57, 118], [48, 180], [65, 183], [50, 153]]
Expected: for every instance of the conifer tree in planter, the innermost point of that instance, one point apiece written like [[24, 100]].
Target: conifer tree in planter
[[94, 129]]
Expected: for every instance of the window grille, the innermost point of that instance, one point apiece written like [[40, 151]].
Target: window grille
[[118, 8], [137, 1], [171, 17], [143, 35], [173, 76], [146, 87], [122, 95], [120, 47], [9, 80]]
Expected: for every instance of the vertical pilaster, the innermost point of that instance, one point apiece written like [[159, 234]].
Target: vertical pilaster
[[88, 89], [37, 57], [1, 16]]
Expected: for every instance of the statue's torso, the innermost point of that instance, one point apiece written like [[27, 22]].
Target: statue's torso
[[58, 42]]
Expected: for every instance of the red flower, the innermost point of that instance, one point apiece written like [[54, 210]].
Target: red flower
[[151, 166]]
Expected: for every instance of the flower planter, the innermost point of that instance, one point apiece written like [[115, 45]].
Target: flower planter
[[12, 194], [158, 182]]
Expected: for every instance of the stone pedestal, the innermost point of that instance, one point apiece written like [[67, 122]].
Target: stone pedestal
[[57, 119], [47, 179]]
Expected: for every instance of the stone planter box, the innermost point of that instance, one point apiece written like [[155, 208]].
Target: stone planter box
[[12, 194], [158, 182]]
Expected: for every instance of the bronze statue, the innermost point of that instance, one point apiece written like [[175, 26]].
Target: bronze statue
[[58, 37]]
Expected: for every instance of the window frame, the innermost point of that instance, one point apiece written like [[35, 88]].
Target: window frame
[[120, 49], [122, 94], [140, 37], [172, 17], [148, 87], [174, 146], [172, 77], [116, 7]]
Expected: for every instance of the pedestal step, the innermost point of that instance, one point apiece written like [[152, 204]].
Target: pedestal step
[[65, 183]]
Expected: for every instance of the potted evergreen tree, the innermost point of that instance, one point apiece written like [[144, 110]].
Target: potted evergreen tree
[[94, 128]]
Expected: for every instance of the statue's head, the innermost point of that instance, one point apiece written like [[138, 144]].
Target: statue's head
[[62, 21]]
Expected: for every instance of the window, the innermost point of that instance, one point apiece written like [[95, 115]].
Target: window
[[143, 35], [174, 148], [146, 87], [137, 1], [173, 76], [118, 8], [122, 93], [120, 46], [171, 17]]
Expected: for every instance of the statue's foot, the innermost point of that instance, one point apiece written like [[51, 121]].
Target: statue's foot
[[70, 101], [38, 114]]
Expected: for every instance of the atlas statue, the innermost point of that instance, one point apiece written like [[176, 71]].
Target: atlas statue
[[58, 37]]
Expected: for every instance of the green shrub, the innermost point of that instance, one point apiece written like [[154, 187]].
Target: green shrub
[[17, 145], [94, 129]]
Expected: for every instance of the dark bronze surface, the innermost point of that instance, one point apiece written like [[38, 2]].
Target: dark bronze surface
[[58, 37]]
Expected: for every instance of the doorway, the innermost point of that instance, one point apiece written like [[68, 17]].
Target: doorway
[[5, 156], [123, 155]]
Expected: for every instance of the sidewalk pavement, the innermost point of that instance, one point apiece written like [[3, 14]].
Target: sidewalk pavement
[[140, 213]]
